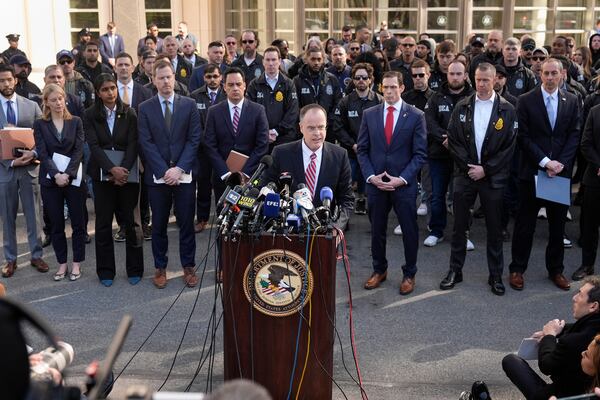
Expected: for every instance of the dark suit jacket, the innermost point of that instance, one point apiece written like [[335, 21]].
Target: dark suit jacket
[[162, 149], [159, 44], [105, 49], [47, 143], [590, 147], [197, 79], [124, 138], [335, 171], [252, 138], [537, 140], [407, 151], [140, 95]]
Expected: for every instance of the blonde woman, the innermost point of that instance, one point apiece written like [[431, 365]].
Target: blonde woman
[[57, 134]]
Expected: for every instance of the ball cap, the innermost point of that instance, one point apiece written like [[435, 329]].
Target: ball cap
[[64, 54], [19, 59]]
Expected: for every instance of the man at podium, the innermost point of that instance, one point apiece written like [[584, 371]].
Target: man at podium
[[315, 163]]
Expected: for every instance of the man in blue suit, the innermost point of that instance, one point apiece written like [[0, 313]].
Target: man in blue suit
[[392, 147], [236, 124], [111, 45], [169, 135]]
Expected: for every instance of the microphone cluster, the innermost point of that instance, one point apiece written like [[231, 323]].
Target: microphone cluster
[[272, 208]]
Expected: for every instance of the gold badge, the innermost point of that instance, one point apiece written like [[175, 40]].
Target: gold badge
[[183, 73], [279, 96], [499, 124]]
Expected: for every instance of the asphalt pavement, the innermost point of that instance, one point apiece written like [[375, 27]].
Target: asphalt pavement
[[430, 344]]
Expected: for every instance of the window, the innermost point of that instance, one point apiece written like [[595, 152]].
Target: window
[[401, 15], [487, 15], [159, 12], [316, 18], [83, 14], [442, 19], [284, 21]]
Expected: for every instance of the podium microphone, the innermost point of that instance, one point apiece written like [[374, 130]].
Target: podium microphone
[[231, 199], [233, 180], [271, 207], [246, 204], [326, 196], [265, 162], [304, 203], [285, 183]]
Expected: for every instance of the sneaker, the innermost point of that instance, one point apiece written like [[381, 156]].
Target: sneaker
[[432, 240], [398, 230], [119, 236], [542, 213], [147, 232], [422, 210], [361, 207], [470, 245], [567, 244]]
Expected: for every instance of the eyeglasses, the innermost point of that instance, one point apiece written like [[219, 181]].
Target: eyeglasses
[[248, 41], [63, 62], [418, 75], [534, 58], [361, 78], [215, 76], [408, 44], [354, 48], [230, 43]]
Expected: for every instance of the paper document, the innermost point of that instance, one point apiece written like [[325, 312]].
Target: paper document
[[557, 189], [185, 178], [62, 162], [528, 350]]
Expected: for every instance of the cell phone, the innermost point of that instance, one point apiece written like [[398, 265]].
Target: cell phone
[[587, 396], [18, 151]]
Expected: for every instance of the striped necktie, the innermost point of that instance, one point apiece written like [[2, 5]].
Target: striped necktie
[[311, 174], [236, 119]]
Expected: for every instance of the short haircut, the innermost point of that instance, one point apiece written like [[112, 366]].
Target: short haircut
[[124, 55], [255, 33], [152, 25], [160, 64], [183, 22], [419, 63], [594, 293], [211, 68], [338, 46], [216, 43], [394, 74], [314, 106], [233, 70], [512, 41], [7, 68], [274, 50], [151, 38], [485, 66], [149, 54], [311, 50], [278, 42], [361, 27], [92, 42], [555, 60], [170, 38], [366, 66], [446, 46], [51, 68], [111, 25], [346, 28], [458, 61]]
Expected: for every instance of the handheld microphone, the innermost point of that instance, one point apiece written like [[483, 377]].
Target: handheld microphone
[[293, 222], [302, 196], [265, 162], [233, 180], [246, 204], [231, 199]]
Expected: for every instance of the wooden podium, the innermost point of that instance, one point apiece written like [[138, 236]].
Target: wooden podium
[[262, 275]]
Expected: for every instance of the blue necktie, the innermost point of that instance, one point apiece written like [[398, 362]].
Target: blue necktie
[[11, 118], [213, 97], [550, 111]]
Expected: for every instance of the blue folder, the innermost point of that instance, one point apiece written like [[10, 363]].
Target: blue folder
[[557, 189]]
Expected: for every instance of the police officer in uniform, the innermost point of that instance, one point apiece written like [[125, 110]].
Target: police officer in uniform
[[315, 85], [13, 47], [346, 124], [277, 94]]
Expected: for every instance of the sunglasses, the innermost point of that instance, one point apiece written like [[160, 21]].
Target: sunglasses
[[230, 43], [408, 45], [418, 75], [361, 78], [247, 41], [535, 58], [63, 62], [215, 76], [354, 48]]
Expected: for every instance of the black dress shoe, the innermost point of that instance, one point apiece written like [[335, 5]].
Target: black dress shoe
[[496, 285], [450, 280], [582, 272]]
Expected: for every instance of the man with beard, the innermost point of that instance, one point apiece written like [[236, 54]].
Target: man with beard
[[437, 114], [560, 47], [251, 62], [75, 83], [424, 51], [18, 178], [315, 85], [206, 96], [519, 78], [216, 55], [492, 54], [91, 68], [22, 68], [346, 124], [190, 55], [13, 47], [538, 56], [444, 55], [182, 67], [527, 48], [402, 64], [85, 35], [145, 75], [340, 68]]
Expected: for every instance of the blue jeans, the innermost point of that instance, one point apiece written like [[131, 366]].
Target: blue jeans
[[440, 172], [357, 176]]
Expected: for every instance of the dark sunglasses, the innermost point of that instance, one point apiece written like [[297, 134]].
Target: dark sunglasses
[[63, 62], [536, 58], [361, 78], [247, 41], [215, 76], [418, 75], [408, 45], [230, 43]]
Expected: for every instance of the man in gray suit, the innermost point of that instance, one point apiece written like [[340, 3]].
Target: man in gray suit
[[18, 177]]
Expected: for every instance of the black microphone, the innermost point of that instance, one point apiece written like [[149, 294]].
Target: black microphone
[[246, 204], [265, 162], [231, 199], [324, 212], [232, 181], [285, 183]]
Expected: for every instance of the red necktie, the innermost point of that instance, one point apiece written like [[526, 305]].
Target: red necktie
[[311, 174], [389, 124]]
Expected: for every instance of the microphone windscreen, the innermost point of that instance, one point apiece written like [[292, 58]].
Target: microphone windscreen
[[267, 160], [326, 193], [271, 207]]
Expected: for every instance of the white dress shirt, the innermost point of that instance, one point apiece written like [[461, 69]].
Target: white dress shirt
[[4, 101], [272, 81], [481, 120], [238, 105], [545, 96], [129, 90], [306, 153], [110, 117]]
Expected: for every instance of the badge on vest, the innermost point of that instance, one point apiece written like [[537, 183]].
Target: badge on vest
[[183, 73], [352, 114], [257, 72], [278, 96], [305, 90], [499, 124], [329, 90], [201, 106], [519, 83], [444, 108]]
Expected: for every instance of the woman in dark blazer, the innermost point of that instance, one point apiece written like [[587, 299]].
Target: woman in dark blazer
[[58, 133], [111, 133]]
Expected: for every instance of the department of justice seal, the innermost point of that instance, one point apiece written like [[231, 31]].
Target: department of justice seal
[[277, 283]]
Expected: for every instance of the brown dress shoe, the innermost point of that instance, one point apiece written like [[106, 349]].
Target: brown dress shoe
[[39, 264], [515, 280], [561, 282], [375, 280], [189, 277], [160, 278], [9, 269], [407, 285], [200, 226]]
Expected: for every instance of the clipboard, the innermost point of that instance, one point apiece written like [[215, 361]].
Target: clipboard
[[116, 157], [236, 161]]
